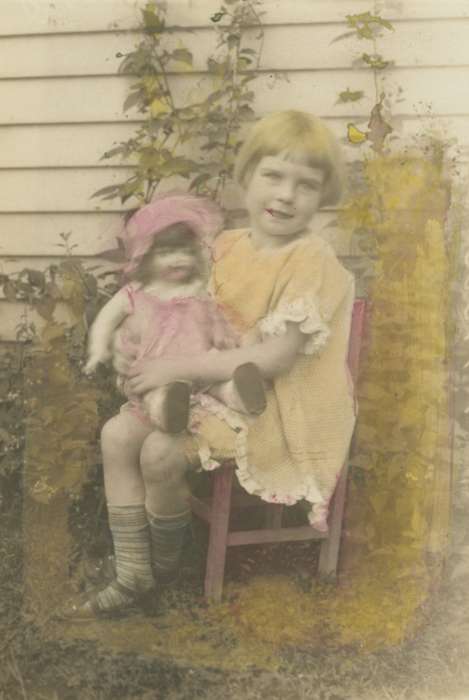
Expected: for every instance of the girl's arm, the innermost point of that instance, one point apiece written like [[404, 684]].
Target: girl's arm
[[101, 332], [273, 356]]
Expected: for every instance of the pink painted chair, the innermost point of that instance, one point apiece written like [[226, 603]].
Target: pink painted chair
[[216, 510]]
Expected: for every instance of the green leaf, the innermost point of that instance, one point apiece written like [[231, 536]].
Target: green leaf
[[246, 112], [178, 166], [243, 63], [233, 40], [350, 95], [182, 55], [153, 23], [375, 61], [132, 99], [365, 24], [117, 151], [9, 290], [36, 278], [45, 307], [105, 191], [200, 180], [218, 16], [341, 37]]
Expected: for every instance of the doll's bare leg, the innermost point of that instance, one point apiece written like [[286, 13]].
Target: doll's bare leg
[[168, 406], [245, 392]]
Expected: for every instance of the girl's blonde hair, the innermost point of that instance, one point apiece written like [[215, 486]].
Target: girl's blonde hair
[[296, 133]]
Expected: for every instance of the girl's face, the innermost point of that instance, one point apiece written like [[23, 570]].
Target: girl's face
[[174, 265], [281, 198]]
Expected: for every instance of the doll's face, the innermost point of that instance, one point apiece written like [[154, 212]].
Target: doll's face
[[173, 264], [282, 196]]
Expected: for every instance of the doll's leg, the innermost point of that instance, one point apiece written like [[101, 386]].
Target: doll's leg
[[168, 406], [121, 441], [164, 465], [245, 392]]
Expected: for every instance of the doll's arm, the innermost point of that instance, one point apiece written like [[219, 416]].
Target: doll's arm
[[108, 319]]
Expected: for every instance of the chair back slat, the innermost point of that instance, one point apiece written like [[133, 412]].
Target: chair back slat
[[356, 336]]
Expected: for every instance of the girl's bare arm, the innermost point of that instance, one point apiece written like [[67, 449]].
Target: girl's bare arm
[[101, 332], [273, 356]]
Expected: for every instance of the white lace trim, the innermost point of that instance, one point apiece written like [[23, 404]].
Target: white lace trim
[[307, 491], [304, 312]]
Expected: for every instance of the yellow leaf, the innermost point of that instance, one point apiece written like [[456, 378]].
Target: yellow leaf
[[158, 107], [355, 135]]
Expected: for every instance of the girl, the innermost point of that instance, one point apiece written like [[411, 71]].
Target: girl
[[279, 279], [166, 311]]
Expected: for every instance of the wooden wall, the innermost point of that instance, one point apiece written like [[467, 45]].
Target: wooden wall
[[61, 99]]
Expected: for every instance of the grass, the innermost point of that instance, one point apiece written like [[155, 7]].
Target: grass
[[432, 666]]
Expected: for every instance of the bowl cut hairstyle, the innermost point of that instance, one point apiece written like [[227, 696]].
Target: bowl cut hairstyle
[[296, 134]]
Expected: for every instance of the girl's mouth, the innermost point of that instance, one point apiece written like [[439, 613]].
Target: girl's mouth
[[277, 214]]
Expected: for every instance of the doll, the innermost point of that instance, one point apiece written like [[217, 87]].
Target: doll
[[164, 310]]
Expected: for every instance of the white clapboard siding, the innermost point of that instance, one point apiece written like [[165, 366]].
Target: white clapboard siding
[[411, 44], [62, 101], [83, 145], [96, 54], [25, 17], [39, 234], [100, 98], [57, 190]]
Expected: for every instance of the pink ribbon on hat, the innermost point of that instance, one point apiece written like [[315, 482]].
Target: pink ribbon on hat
[[203, 216]]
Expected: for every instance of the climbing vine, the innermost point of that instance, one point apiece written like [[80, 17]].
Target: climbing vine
[[195, 137]]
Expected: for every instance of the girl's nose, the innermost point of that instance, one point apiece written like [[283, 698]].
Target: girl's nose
[[286, 191]]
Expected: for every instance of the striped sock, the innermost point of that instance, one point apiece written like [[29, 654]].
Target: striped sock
[[167, 533], [129, 529]]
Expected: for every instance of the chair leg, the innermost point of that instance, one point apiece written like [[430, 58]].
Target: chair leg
[[329, 553], [219, 522], [273, 516]]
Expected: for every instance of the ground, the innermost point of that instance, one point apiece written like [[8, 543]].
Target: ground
[[47, 663]]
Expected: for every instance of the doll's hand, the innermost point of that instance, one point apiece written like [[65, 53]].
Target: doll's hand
[[94, 360]]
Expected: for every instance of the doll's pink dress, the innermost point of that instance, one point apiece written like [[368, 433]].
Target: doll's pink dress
[[181, 326]]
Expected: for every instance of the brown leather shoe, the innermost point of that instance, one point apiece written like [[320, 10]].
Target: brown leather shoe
[[86, 608]]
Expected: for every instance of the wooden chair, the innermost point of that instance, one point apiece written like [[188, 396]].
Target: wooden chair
[[217, 509]]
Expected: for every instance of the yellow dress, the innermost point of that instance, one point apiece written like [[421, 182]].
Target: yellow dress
[[296, 448]]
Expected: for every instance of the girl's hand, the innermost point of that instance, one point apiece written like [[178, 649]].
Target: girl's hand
[[151, 374]]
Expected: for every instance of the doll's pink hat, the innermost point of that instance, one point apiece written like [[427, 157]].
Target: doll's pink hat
[[203, 216]]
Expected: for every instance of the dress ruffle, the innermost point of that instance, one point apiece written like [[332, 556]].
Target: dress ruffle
[[304, 312], [306, 491]]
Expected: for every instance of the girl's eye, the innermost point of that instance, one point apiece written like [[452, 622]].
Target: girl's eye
[[311, 186], [272, 175]]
